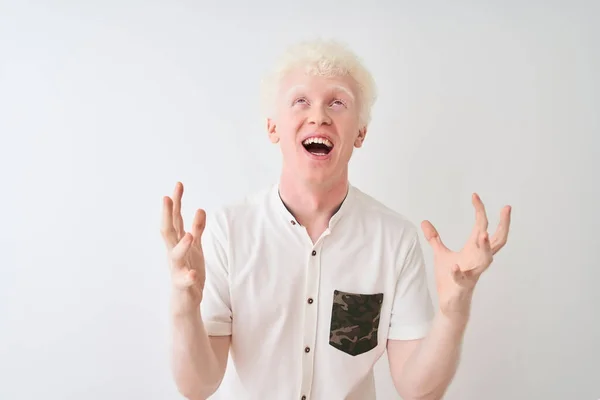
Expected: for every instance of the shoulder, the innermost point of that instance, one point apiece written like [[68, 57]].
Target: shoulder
[[384, 216], [241, 211]]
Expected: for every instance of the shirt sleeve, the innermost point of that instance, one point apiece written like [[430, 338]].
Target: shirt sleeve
[[215, 307], [412, 309]]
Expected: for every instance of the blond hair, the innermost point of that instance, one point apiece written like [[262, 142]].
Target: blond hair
[[327, 58]]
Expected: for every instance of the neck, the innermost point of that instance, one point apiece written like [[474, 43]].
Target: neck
[[312, 204]]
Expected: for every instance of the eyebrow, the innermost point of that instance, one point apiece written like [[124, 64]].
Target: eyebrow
[[293, 90], [345, 90]]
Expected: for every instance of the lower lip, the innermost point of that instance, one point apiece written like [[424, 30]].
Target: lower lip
[[318, 157]]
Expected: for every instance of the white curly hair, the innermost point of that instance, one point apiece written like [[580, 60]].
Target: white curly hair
[[322, 58]]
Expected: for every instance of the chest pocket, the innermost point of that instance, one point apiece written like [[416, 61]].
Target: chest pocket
[[355, 321]]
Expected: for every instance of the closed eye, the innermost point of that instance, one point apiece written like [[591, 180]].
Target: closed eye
[[335, 103], [300, 101]]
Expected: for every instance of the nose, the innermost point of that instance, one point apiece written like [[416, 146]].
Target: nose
[[319, 116]]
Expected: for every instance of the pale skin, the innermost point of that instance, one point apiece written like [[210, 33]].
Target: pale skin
[[312, 188], [198, 360], [423, 369]]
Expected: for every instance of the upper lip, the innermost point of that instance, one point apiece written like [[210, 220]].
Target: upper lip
[[317, 135]]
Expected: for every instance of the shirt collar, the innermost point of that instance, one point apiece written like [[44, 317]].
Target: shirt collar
[[342, 210]]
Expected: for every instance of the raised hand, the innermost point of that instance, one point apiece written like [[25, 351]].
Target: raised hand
[[186, 259], [456, 273]]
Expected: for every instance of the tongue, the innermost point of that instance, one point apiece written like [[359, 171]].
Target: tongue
[[317, 148]]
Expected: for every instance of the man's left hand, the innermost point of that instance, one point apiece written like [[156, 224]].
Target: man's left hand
[[457, 273]]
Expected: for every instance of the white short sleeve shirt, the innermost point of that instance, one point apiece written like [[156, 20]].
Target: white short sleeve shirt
[[309, 321]]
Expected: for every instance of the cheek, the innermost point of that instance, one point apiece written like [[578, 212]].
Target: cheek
[[292, 124], [348, 128], [297, 119], [345, 116]]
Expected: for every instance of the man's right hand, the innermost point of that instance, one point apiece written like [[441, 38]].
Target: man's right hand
[[186, 259]]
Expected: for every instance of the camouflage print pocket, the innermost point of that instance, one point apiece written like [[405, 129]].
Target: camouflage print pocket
[[355, 321]]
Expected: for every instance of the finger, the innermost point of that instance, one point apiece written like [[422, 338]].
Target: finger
[[177, 219], [462, 278], [457, 275], [167, 229], [432, 236], [179, 251], [484, 241], [198, 227], [481, 220], [500, 237], [185, 278]]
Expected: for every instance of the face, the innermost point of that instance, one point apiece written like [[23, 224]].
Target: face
[[317, 126]]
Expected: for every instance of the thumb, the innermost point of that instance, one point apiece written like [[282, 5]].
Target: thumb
[[198, 227], [457, 275], [184, 278], [432, 236], [181, 248]]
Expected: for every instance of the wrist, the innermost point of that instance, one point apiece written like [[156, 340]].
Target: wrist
[[454, 320], [457, 309], [183, 304], [451, 327]]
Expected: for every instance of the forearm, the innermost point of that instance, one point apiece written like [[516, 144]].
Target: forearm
[[433, 364], [195, 366]]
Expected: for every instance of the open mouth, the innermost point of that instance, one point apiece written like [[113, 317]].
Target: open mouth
[[318, 146]]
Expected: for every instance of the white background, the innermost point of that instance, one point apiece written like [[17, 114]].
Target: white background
[[105, 105]]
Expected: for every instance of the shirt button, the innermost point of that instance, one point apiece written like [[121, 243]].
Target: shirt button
[[314, 253], [303, 397], [293, 222], [310, 301], [307, 349]]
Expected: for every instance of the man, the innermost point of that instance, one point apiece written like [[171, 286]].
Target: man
[[309, 282]]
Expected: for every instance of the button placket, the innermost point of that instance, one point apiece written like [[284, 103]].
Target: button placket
[[310, 316]]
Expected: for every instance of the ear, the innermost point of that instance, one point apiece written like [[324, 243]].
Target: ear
[[271, 129], [361, 137]]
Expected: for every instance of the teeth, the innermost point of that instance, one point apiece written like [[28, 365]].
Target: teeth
[[318, 140]]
